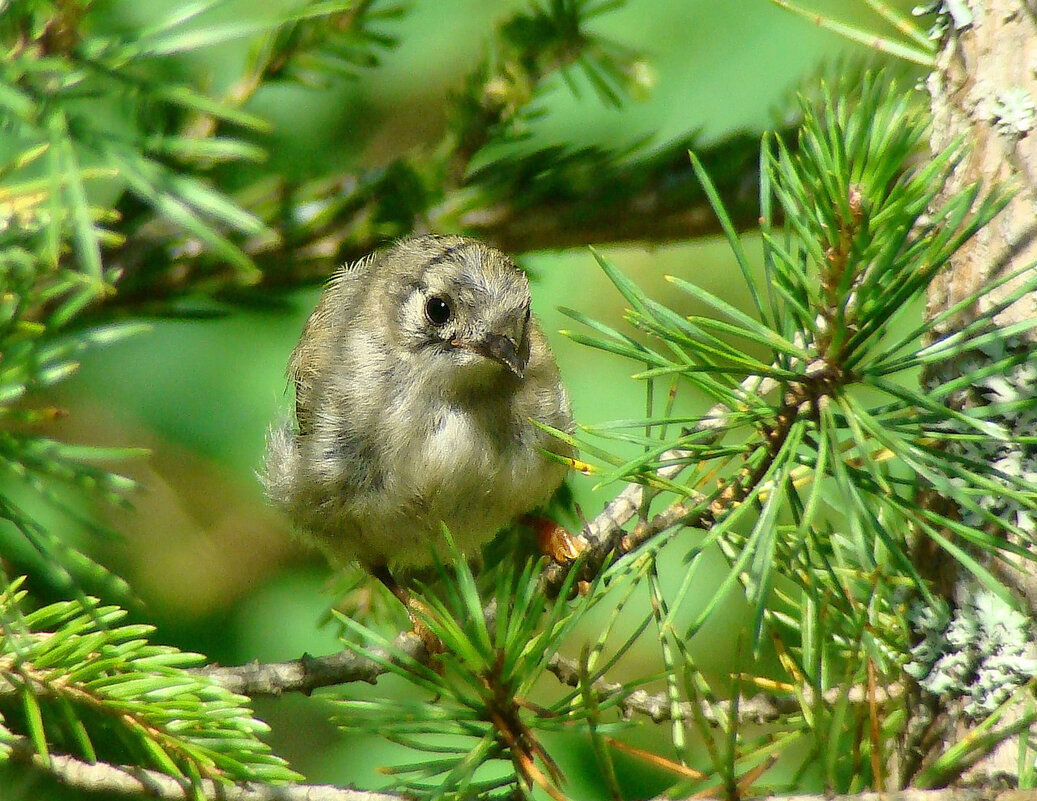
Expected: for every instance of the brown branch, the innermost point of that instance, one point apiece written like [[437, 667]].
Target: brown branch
[[606, 534], [949, 794], [640, 221], [122, 780], [310, 673], [138, 782], [314, 228], [756, 709], [286, 265]]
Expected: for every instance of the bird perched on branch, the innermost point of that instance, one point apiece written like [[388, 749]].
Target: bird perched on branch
[[419, 380]]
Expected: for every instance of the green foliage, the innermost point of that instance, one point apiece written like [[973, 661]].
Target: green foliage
[[115, 187], [39, 304], [76, 681], [326, 39], [98, 114], [813, 477], [809, 476], [86, 118], [96, 109], [911, 44], [93, 117], [849, 422], [556, 33], [478, 690]]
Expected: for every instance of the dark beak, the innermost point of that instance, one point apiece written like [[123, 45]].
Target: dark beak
[[504, 350]]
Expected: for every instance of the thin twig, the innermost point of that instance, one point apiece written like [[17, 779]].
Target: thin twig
[[309, 673], [605, 533], [760, 708]]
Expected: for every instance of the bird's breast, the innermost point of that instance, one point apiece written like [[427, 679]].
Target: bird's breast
[[477, 448], [462, 457], [455, 442]]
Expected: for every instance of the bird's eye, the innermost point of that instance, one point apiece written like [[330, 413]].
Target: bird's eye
[[437, 310]]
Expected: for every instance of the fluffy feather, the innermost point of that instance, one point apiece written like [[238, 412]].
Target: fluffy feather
[[405, 423]]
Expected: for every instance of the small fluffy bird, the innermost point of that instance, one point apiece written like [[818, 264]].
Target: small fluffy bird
[[418, 379]]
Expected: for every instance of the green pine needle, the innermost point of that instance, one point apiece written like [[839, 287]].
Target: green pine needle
[[92, 687]]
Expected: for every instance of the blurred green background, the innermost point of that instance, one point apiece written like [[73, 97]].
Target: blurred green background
[[216, 568]]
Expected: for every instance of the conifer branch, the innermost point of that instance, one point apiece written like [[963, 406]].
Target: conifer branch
[[755, 709], [136, 782], [308, 673], [606, 534], [100, 777], [991, 792], [288, 259]]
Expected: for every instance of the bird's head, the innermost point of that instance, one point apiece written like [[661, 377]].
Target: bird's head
[[463, 306]]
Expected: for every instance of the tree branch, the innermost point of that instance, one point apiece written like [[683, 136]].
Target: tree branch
[[309, 673], [947, 794], [317, 227], [100, 777], [137, 782], [289, 265], [606, 534], [759, 708]]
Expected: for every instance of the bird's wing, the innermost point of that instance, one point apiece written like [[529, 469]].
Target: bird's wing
[[317, 345]]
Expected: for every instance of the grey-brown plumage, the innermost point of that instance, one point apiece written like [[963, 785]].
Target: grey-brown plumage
[[417, 378]]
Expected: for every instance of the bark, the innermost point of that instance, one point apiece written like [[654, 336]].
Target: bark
[[986, 72], [984, 89]]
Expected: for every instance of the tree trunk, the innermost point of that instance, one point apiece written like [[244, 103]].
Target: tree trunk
[[983, 89]]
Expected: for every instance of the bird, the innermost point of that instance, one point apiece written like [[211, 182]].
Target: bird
[[423, 386]]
